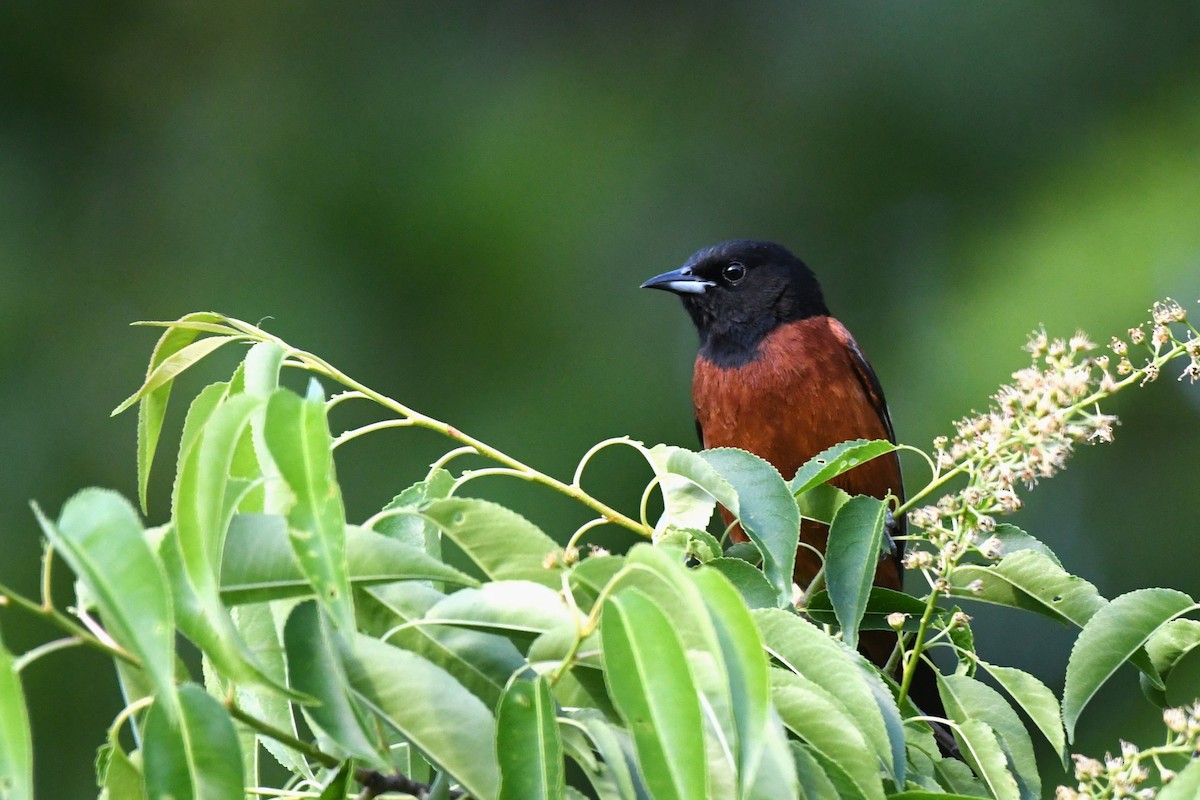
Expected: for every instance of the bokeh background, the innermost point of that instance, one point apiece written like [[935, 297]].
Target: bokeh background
[[455, 202]]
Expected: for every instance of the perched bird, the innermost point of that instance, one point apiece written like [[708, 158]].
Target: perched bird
[[778, 376]]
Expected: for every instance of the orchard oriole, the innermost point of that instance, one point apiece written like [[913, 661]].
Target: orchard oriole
[[778, 376]]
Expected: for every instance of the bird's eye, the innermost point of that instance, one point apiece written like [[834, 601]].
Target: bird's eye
[[734, 272]]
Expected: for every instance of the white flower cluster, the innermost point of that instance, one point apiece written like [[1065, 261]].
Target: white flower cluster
[[1123, 775], [1031, 429]]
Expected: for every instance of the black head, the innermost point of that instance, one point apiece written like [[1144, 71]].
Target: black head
[[738, 292]]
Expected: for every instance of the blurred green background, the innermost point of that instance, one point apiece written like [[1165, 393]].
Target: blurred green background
[[455, 202]]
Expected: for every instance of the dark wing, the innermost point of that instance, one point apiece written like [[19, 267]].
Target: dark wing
[[699, 432], [874, 392]]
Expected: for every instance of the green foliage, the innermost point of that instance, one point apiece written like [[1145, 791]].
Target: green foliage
[[355, 654]]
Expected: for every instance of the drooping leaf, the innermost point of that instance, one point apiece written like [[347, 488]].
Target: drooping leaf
[[297, 435], [618, 778], [1038, 702], [824, 725], [152, 407], [315, 669], [531, 761], [803, 648], [814, 783], [821, 503], [482, 662], [1030, 580], [505, 545], [518, 609], [650, 682], [197, 758], [966, 698], [1110, 638], [340, 784], [451, 727], [100, 536], [981, 749], [766, 510], [16, 742], [410, 528], [1166, 649], [258, 563], [834, 461], [851, 556]]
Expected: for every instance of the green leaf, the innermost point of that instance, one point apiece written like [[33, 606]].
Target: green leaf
[[297, 434], [690, 488], [116, 775], [851, 556], [482, 662], [16, 742], [1013, 539], [814, 783], [1166, 649], [748, 579], [746, 666], [315, 669], [259, 625], [766, 510], [425, 704], [1038, 702], [816, 717], [100, 536], [834, 461], [651, 684], [258, 563], [153, 406], [196, 758], [531, 761], [1030, 580], [981, 749], [1185, 785], [1110, 638], [966, 698], [833, 667], [340, 784], [618, 778], [821, 503], [523, 609], [410, 528], [505, 545], [880, 603]]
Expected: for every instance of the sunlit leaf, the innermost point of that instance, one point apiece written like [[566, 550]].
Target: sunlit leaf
[[834, 461], [749, 580], [851, 557], [531, 760], [197, 757], [505, 545], [650, 682], [814, 783], [100, 536], [118, 777], [16, 743], [1110, 638], [766, 510], [690, 487], [523, 609], [452, 728], [297, 435]]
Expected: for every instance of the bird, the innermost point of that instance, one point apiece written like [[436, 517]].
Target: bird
[[778, 375]]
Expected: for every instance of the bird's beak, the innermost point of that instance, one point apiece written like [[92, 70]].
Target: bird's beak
[[679, 281]]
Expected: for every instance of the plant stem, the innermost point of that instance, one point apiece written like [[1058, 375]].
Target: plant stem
[[62, 621], [283, 737], [910, 664]]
